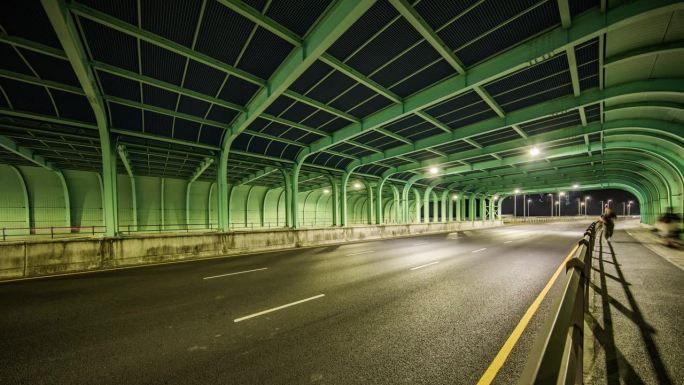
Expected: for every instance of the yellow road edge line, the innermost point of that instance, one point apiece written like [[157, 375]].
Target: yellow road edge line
[[508, 346]]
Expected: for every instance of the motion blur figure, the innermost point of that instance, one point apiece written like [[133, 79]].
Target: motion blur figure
[[669, 227], [608, 219]]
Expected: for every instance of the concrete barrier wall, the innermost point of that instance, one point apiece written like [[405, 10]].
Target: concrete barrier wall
[[50, 257]]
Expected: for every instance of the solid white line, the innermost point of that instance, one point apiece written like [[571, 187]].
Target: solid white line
[[508, 241], [359, 253], [425, 265], [278, 308], [420, 244], [239, 272], [478, 250]]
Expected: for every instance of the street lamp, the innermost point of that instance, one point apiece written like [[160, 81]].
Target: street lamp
[[629, 206], [528, 207], [586, 205], [434, 170], [560, 194], [515, 202], [326, 191], [454, 197], [357, 185], [551, 195], [534, 151], [575, 186], [609, 201]]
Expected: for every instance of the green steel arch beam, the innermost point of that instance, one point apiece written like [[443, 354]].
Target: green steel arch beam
[[585, 27], [646, 186], [69, 38]]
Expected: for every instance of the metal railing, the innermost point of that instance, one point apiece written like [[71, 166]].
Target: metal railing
[[557, 355], [9, 233]]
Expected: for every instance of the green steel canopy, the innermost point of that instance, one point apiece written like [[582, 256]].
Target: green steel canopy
[[444, 95]]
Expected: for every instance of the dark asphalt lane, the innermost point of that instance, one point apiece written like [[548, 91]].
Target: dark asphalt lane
[[379, 322]]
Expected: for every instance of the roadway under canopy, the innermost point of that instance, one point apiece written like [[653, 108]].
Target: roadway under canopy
[[224, 114]]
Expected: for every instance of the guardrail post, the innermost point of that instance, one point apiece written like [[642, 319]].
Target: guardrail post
[[52, 232], [93, 228], [3, 234]]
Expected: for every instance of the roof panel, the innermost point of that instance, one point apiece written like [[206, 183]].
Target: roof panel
[[297, 16], [186, 130], [159, 97], [367, 107], [430, 75], [538, 19], [238, 91], [174, 20], [223, 33], [377, 16], [315, 73], [162, 64], [264, 54], [27, 97], [73, 106], [27, 19], [203, 79], [113, 85], [389, 43], [110, 46]]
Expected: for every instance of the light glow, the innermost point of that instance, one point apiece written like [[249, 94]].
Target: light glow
[[517, 191], [326, 191], [434, 170], [454, 197], [534, 151], [357, 185], [575, 185]]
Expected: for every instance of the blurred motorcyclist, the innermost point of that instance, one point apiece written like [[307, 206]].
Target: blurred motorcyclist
[[608, 219]]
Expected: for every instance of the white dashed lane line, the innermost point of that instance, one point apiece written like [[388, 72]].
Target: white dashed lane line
[[478, 250], [425, 265], [236, 273], [278, 308]]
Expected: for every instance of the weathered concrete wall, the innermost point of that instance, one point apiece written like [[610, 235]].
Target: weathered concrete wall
[[49, 257]]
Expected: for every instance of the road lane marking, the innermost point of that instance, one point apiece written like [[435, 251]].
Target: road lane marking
[[508, 346], [278, 308], [359, 253], [508, 241], [478, 250], [420, 244], [425, 265], [236, 273]]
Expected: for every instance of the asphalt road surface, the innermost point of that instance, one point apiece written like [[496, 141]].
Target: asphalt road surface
[[424, 310]]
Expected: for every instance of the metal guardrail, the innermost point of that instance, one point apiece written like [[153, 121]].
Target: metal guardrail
[[557, 355], [7, 233]]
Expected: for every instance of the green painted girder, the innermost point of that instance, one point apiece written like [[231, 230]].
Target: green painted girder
[[364, 146], [585, 27], [336, 21], [40, 82], [649, 104], [258, 175], [394, 136], [535, 182], [197, 119], [143, 35], [321, 106], [549, 173], [125, 159], [414, 18], [47, 118], [164, 139], [647, 125], [359, 77], [290, 123], [574, 74], [528, 114], [434, 121], [564, 10], [341, 154], [201, 168], [291, 37], [522, 132], [26, 153], [164, 85], [640, 53], [262, 20], [572, 150], [68, 35], [20, 42], [490, 101]]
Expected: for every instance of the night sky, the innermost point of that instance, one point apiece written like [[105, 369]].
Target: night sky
[[540, 205]]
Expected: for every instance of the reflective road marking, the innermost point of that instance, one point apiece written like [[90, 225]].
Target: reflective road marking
[[278, 308], [425, 265], [236, 273]]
